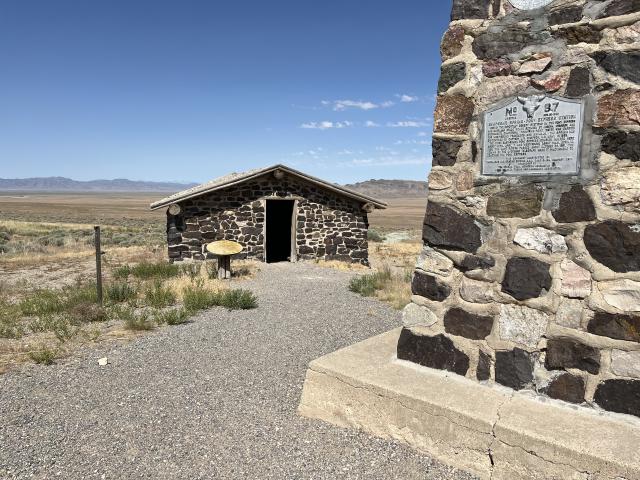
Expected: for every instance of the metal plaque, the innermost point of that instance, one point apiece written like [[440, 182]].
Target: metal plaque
[[537, 135], [529, 4]]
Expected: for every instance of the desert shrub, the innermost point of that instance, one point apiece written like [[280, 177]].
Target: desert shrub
[[147, 270], [64, 330], [211, 268], [191, 270], [197, 298], [374, 236], [79, 293], [122, 272], [367, 285], [121, 292], [159, 296], [10, 325], [139, 322], [87, 312], [44, 356], [176, 316], [42, 302], [238, 299]]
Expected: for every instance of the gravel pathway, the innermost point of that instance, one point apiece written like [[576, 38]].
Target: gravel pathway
[[215, 398]]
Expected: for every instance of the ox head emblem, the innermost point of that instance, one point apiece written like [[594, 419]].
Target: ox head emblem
[[531, 104]]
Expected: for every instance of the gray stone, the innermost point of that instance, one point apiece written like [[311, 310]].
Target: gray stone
[[567, 14], [448, 228], [574, 206], [522, 325], [563, 354], [496, 43], [614, 244], [569, 314], [618, 327], [483, 372], [429, 287], [468, 9], [475, 291], [450, 75], [621, 187], [625, 364], [526, 278], [622, 396], [538, 65], [516, 202], [461, 323], [623, 64], [567, 387], [416, 316], [514, 368], [541, 240], [623, 294], [440, 180], [621, 7], [580, 34], [434, 352], [434, 262]]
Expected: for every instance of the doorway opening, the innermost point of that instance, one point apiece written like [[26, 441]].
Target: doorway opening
[[280, 233]]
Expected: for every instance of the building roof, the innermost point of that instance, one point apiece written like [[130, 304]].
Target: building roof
[[236, 178]]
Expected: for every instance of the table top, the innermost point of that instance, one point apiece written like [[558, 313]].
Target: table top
[[224, 247]]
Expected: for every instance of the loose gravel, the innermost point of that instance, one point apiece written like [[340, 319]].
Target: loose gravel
[[215, 398]]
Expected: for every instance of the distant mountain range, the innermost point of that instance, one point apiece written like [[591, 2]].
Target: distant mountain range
[[391, 188], [62, 184], [373, 188]]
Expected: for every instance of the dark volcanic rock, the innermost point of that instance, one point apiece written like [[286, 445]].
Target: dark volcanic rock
[[474, 262], [574, 206], [502, 42], [444, 152], [514, 368], [580, 33], [619, 327], [452, 41], [526, 278], [564, 353], [433, 352], [569, 14], [448, 228], [429, 287], [483, 372], [622, 396], [621, 7], [516, 202], [453, 114], [623, 64], [466, 9], [614, 244], [579, 83], [469, 325], [623, 145], [450, 75], [567, 387]]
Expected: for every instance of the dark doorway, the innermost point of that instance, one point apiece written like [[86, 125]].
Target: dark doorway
[[279, 232]]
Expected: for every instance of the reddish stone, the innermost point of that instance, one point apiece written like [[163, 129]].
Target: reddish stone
[[619, 109], [453, 114], [551, 84], [452, 41], [495, 68]]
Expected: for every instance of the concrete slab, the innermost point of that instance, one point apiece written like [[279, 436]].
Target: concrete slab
[[490, 431]]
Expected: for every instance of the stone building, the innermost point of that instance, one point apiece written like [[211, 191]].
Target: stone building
[[276, 213], [532, 281]]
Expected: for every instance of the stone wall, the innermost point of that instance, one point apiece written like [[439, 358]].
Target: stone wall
[[328, 226], [534, 282]]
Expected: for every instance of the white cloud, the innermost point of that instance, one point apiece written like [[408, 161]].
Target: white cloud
[[408, 124], [423, 134], [340, 105], [370, 124], [326, 125], [407, 98], [387, 104]]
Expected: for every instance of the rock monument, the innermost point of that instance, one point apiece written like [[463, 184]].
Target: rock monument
[[526, 297]]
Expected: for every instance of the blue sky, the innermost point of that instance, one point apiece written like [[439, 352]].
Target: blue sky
[[190, 90]]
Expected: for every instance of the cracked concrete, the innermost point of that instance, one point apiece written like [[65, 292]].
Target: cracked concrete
[[492, 432]]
